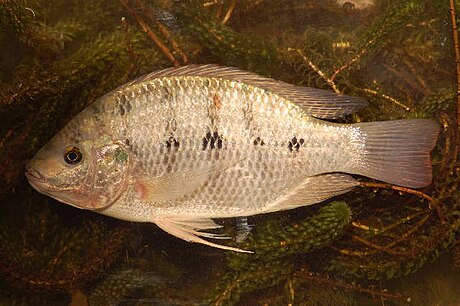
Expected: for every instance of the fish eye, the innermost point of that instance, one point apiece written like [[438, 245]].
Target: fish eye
[[72, 155]]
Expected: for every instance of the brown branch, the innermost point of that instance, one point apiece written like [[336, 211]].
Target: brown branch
[[172, 41], [353, 253], [387, 248], [325, 280], [402, 75], [457, 60], [377, 231], [220, 8], [433, 202], [386, 97], [423, 85], [5, 138], [146, 28], [229, 12], [164, 30], [317, 70], [355, 59]]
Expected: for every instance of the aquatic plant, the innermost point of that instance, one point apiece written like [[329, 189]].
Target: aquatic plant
[[399, 55], [274, 247], [47, 252]]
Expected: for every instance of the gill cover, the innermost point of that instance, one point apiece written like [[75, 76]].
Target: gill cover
[[108, 176]]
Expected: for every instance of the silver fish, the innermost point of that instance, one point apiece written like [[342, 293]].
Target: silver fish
[[182, 146]]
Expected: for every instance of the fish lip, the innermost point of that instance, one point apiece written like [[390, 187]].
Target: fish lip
[[34, 175], [39, 183]]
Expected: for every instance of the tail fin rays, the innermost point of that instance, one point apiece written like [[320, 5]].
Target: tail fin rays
[[398, 152]]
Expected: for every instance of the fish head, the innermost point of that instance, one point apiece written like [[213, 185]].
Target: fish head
[[88, 174]]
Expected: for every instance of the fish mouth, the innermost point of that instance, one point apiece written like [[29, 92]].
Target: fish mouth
[[39, 183], [34, 175], [36, 180]]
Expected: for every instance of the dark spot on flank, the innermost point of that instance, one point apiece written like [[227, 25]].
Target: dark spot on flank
[[295, 144], [172, 143], [206, 140], [127, 142], [212, 141], [258, 141]]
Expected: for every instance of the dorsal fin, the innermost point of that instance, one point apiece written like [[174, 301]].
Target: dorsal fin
[[314, 102]]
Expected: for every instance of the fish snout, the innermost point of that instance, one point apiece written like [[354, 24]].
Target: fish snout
[[32, 174]]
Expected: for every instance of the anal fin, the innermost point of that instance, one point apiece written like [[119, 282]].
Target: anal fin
[[314, 189], [191, 230]]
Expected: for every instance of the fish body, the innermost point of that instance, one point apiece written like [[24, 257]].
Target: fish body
[[184, 145]]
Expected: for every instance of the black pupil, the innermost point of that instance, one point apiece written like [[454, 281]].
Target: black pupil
[[72, 156]]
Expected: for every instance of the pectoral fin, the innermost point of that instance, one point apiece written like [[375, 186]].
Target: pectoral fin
[[175, 185], [191, 230], [313, 190]]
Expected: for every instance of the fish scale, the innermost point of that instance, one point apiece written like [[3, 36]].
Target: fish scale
[[277, 121], [181, 146]]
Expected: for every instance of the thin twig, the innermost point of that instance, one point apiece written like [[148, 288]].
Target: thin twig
[[317, 70], [408, 191], [457, 61], [423, 86], [229, 11], [386, 97], [164, 30], [325, 280], [6, 137], [388, 227], [387, 247], [403, 76], [151, 34], [352, 252], [173, 42], [129, 48], [355, 59], [220, 8]]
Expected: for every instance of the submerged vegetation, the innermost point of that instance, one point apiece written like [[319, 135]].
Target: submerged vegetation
[[59, 56]]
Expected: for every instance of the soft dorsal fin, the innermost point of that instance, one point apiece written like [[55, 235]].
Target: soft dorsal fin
[[314, 102]]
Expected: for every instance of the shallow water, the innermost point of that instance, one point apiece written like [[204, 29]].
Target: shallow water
[[375, 247]]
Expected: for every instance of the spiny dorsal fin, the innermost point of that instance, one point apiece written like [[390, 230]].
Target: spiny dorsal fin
[[314, 102]]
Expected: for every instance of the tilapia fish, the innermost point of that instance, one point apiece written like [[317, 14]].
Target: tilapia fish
[[182, 146]]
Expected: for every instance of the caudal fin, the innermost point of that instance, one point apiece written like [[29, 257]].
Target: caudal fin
[[398, 152]]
